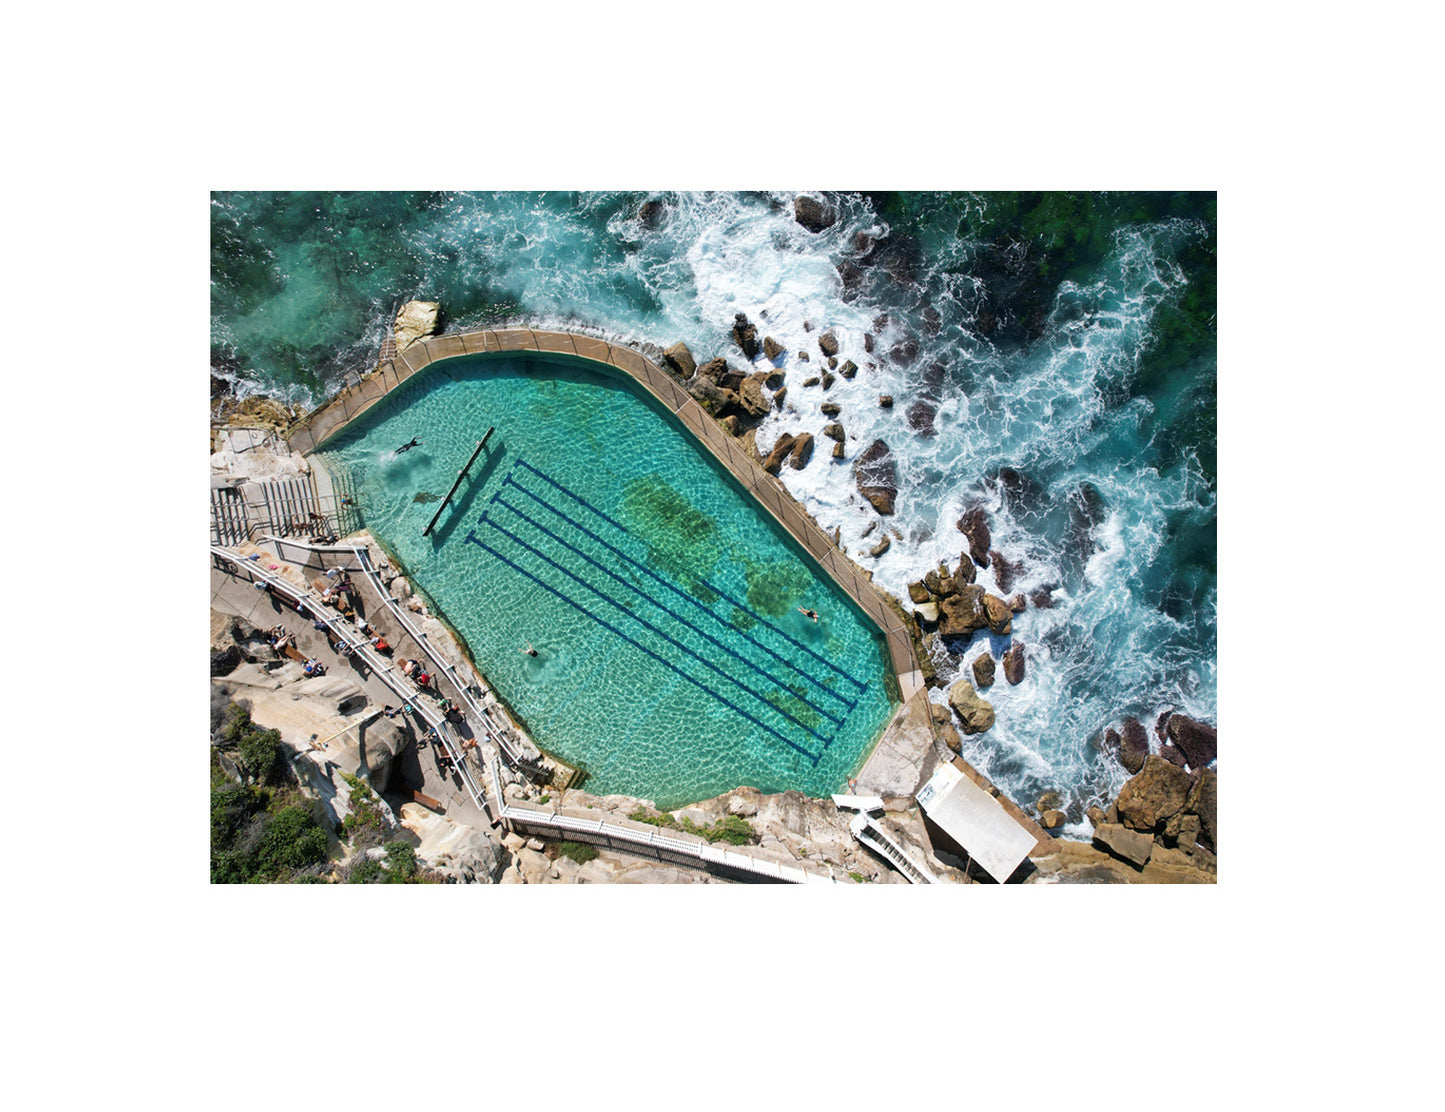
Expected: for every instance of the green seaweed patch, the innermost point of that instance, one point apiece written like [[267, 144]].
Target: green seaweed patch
[[702, 592], [791, 704], [773, 588], [741, 620], [426, 496], [680, 538]]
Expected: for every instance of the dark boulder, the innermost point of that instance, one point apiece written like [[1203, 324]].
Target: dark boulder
[[975, 713], [920, 419], [966, 572], [1134, 745], [1005, 571], [713, 398], [848, 369], [983, 670], [1013, 663], [751, 397], [653, 214], [831, 409], [1086, 510], [1043, 599], [834, 432], [772, 349], [714, 369], [974, 525], [885, 401], [876, 477], [828, 343], [779, 398], [225, 661], [813, 213], [828, 380], [745, 335], [1173, 756], [1018, 604], [1197, 740], [802, 452], [812, 381], [918, 591]]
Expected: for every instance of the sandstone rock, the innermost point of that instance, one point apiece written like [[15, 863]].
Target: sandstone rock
[[832, 365], [838, 450], [974, 526], [753, 400], [714, 369], [974, 712], [745, 335], [885, 401], [804, 357], [813, 213], [1151, 796], [983, 670], [1052, 820], [828, 343], [1018, 604], [779, 398], [881, 547], [774, 379], [1000, 617], [1203, 801], [876, 478], [781, 449], [848, 369], [932, 581], [1197, 740], [1161, 727], [713, 398], [1182, 830], [964, 613], [1175, 866], [802, 452], [1124, 843], [1095, 815], [966, 572], [812, 381], [1133, 746], [1049, 801], [834, 432], [918, 591], [772, 349], [679, 360], [731, 425], [828, 380], [742, 804], [925, 611], [1013, 663], [414, 320], [831, 409]]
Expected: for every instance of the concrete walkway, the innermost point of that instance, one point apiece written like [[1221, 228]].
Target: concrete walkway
[[419, 766]]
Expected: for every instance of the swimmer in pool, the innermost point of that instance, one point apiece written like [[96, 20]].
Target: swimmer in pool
[[808, 613], [415, 443], [528, 651]]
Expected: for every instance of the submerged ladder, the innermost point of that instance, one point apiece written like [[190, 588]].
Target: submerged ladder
[[462, 474]]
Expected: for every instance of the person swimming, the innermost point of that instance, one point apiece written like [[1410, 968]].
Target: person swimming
[[528, 651], [808, 613], [415, 443]]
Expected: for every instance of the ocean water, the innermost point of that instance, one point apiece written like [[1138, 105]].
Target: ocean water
[[1051, 358], [671, 662]]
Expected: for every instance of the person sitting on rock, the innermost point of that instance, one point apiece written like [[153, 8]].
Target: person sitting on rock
[[314, 667]]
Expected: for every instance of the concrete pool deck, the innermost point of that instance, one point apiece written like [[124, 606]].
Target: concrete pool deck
[[899, 762]]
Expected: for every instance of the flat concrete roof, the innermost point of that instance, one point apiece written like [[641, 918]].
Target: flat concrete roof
[[976, 821]]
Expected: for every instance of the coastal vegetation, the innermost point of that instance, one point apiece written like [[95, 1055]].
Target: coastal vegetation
[[732, 829]]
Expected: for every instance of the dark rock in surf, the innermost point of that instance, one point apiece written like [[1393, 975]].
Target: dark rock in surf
[[963, 614], [802, 452], [1000, 617], [1153, 795], [774, 462], [745, 335], [1196, 740], [1043, 599], [828, 343], [834, 432], [966, 572], [1133, 745], [974, 525], [772, 349], [885, 401], [1018, 604], [920, 419], [813, 213], [1173, 756], [983, 670], [848, 369], [653, 214], [1013, 663], [831, 409], [876, 477]]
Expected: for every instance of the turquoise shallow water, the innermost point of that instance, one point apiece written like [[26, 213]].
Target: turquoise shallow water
[[671, 661]]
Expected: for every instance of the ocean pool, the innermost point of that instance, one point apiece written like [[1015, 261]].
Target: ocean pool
[[672, 663]]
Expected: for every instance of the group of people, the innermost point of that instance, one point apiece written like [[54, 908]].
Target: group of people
[[280, 638]]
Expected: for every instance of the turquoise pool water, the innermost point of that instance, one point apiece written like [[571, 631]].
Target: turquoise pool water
[[671, 661]]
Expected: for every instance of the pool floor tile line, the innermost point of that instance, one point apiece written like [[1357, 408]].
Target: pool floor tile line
[[710, 586], [485, 520], [813, 757], [850, 704], [669, 612]]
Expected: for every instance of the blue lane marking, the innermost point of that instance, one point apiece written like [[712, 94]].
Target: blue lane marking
[[661, 633], [813, 757], [678, 617], [722, 594]]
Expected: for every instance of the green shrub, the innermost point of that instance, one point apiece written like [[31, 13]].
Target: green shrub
[[579, 852], [401, 860], [260, 752], [367, 871], [292, 840], [642, 814], [366, 815], [859, 878]]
